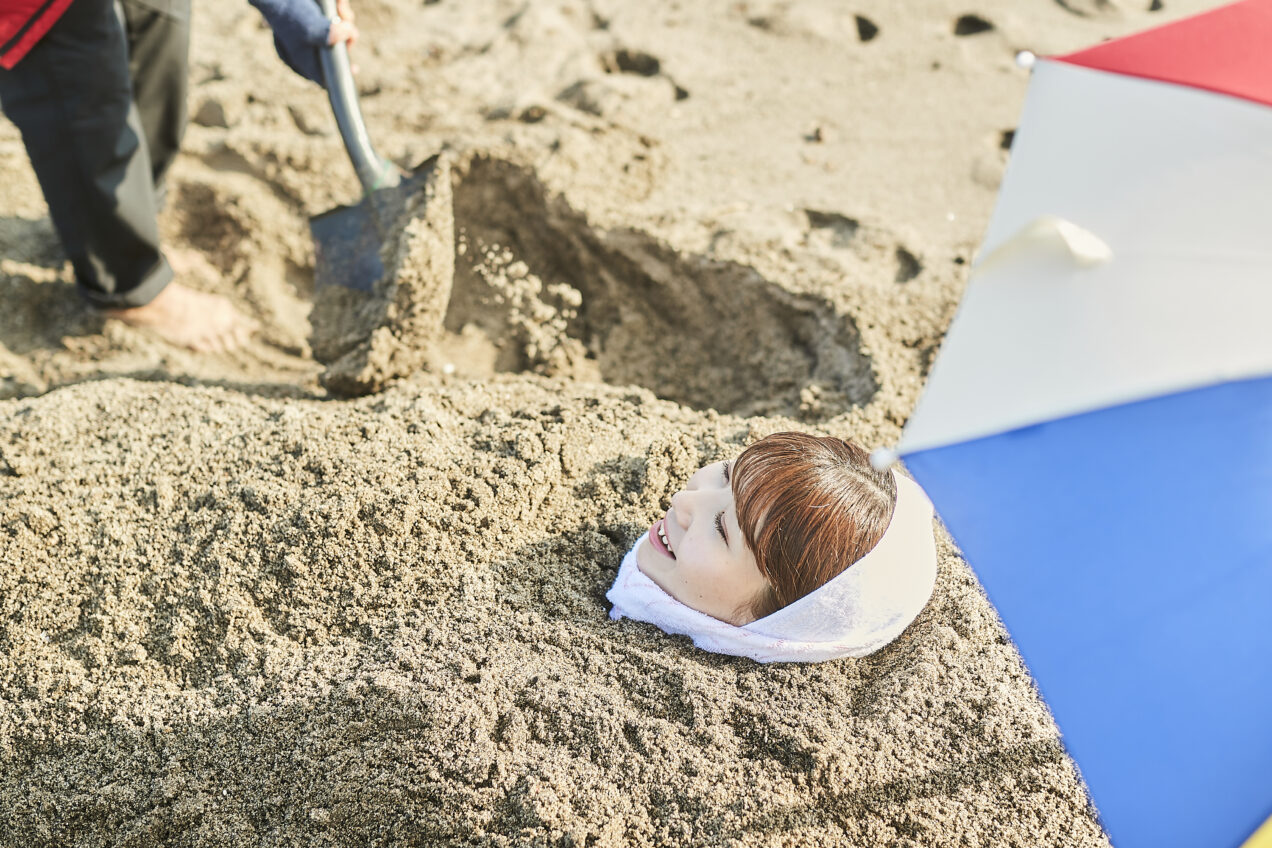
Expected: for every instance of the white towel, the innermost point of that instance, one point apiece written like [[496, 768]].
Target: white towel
[[859, 611]]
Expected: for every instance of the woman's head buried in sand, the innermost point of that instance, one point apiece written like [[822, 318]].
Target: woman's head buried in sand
[[752, 552], [745, 538]]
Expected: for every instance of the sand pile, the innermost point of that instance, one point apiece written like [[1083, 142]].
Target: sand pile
[[234, 621], [238, 610]]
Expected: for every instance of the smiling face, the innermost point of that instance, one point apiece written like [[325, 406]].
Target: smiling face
[[696, 554]]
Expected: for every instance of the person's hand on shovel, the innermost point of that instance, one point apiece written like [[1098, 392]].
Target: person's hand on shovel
[[300, 29], [343, 28]]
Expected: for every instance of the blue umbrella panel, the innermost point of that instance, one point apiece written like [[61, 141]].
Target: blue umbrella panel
[[1129, 553]]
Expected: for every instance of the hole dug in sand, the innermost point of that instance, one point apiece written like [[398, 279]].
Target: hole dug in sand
[[538, 290]]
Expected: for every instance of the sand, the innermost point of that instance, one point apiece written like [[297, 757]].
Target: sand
[[336, 589]]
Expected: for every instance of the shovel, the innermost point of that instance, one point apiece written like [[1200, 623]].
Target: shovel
[[347, 239]]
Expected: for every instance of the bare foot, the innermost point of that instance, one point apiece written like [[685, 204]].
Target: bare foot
[[207, 323]]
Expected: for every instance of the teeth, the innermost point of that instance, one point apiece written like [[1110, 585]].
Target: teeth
[[662, 534]]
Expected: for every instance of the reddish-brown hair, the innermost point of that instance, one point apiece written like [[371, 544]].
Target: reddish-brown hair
[[809, 507]]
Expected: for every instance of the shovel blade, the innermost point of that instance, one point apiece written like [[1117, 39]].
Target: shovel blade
[[347, 239]]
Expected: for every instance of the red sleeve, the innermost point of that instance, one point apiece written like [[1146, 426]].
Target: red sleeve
[[23, 23]]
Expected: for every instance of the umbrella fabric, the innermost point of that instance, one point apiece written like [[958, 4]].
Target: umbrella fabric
[[1097, 430]]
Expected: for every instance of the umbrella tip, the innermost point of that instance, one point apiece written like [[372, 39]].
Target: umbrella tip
[[881, 459], [1025, 59]]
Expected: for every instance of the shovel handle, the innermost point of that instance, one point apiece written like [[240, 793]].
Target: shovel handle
[[374, 172]]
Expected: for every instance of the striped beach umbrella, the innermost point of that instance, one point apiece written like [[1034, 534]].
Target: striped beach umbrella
[[1096, 432]]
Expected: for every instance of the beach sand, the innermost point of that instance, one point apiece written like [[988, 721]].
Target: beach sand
[[241, 605]]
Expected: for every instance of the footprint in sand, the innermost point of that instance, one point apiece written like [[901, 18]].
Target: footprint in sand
[[633, 86], [1092, 8], [822, 21], [835, 231], [625, 60], [991, 163], [908, 265], [971, 25], [839, 229], [218, 105], [866, 28], [620, 97]]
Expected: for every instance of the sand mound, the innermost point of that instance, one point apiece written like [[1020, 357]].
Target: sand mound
[[233, 621], [236, 610]]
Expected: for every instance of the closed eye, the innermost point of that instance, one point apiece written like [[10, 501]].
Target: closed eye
[[725, 471], [719, 523]]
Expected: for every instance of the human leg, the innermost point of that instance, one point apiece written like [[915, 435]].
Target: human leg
[[72, 100], [158, 34]]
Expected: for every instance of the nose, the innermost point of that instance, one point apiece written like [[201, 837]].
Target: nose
[[688, 503], [682, 506]]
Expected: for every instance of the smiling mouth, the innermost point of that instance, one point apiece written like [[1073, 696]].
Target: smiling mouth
[[658, 536]]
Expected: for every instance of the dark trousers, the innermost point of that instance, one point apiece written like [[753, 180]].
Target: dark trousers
[[101, 104]]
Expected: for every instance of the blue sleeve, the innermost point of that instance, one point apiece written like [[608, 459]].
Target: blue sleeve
[[300, 28]]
